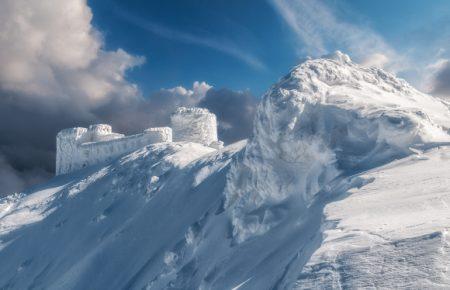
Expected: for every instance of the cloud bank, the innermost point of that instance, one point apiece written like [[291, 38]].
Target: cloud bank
[[439, 79], [54, 73], [51, 51], [235, 112]]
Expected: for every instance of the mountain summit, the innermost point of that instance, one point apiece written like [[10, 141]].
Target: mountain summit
[[326, 119], [343, 185]]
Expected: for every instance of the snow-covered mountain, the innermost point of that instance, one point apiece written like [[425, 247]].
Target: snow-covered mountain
[[345, 184]]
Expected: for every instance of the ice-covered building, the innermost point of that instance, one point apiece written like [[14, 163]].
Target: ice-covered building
[[79, 147], [195, 125]]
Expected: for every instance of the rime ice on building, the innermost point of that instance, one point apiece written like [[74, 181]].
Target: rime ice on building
[[195, 125], [79, 147]]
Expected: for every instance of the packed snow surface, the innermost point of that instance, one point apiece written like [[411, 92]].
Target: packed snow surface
[[344, 185], [389, 234]]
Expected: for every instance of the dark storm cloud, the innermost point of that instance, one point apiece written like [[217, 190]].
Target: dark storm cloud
[[27, 134], [235, 111], [131, 116], [28, 125], [11, 179], [441, 81]]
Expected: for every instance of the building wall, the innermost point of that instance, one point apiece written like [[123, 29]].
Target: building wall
[[194, 125], [66, 147], [77, 148], [73, 152]]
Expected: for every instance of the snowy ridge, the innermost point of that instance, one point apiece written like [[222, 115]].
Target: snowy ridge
[[344, 185]]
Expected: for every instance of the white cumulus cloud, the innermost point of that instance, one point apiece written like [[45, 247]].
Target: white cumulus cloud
[[49, 49]]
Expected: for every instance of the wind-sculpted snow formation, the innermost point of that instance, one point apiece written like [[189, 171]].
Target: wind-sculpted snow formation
[[343, 185], [327, 118]]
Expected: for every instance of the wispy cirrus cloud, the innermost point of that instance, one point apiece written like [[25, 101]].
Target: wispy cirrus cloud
[[219, 44], [320, 30]]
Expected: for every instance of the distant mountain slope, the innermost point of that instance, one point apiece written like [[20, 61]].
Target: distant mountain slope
[[343, 185]]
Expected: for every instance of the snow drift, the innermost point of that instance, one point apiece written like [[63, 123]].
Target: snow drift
[[272, 213]]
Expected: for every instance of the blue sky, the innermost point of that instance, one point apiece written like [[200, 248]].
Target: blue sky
[[250, 44]]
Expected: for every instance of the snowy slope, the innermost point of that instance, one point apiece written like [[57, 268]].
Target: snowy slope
[[343, 185], [391, 233], [153, 219]]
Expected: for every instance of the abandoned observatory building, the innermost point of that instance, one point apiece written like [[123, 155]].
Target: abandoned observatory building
[[80, 147]]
